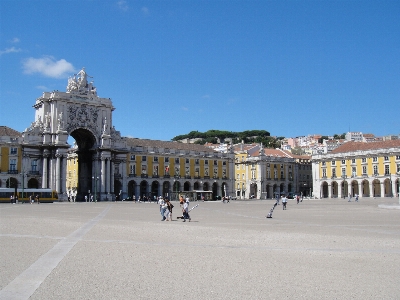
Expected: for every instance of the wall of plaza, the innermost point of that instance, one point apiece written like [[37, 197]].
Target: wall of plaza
[[366, 169]]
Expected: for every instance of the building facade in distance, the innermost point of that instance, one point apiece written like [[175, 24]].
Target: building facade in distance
[[366, 169]]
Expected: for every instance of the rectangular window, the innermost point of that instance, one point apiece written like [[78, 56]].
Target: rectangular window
[[364, 170], [397, 157], [333, 163], [197, 172], [353, 160], [237, 167], [354, 171], [155, 158], [215, 163], [398, 168], [133, 157], [13, 164], [334, 173], [364, 160], [323, 163], [343, 162], [206, 172], [206, 162], [34, 165], [13, 150], [386, 158], [237, 176], [187, 160], [144, 158], [387, 171], [166, 159], [155, 170], [224, 163], [196, 161], [376, 170], [343, 171], [374, 159], [323, 173], [166, 170], [132, 169], [177, 160], [144, 169]]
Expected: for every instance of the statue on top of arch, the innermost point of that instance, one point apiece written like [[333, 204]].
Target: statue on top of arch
[[79, 84]]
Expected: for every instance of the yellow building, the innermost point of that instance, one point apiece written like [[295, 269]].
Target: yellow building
[[264, 173], [366, 169], [10, 158], [160, 168], [72, 175]]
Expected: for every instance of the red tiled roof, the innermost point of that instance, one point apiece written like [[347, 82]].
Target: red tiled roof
[[360, 146], [7, 131]]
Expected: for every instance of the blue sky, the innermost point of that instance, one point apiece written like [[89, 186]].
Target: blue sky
[[292, 68]]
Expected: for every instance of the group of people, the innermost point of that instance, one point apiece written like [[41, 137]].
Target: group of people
[[355, 196], [14, 200], [166, 208]]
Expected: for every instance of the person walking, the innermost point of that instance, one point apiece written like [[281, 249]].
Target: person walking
[[356, 195], [349, 198], [169, 210], [284, 202], [162, 208], [185, 211]]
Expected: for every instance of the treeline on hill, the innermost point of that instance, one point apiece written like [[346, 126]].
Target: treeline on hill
[[247, 136]]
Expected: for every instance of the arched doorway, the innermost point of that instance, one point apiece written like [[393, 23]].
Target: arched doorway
[[282, 188], [324, 190], [143, 189], [33, 183], [345, 189], [365, 188], [186, 186], [205, 186], [267, 188], [166, 187], [85, 141], [131, 189], [117, 189], [154, 190], [354, 188], [334, 187], [215, 190], [376, 185], [196, 186], [253, 190], [290, 188], [387, 188]]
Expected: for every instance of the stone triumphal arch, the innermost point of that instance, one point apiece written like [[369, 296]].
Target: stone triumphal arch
[[79, 113]]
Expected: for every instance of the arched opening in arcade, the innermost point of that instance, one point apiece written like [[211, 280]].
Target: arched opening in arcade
[[376, 186], [214, 190], [155, 190], [166, 189], [268, 190], [117, 189], [176, 188], [205, 186], [335, 189], [143, 189], [33, 183], [324, 190], [253, 190], [354, 188], [345, 189], [365, 188], [87, 175], [186, 186], [387, 188], [131, 189]]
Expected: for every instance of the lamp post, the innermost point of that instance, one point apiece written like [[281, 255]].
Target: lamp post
[[95, 187]]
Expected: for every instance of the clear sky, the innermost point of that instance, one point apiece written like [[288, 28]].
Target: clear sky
[[292, 68]]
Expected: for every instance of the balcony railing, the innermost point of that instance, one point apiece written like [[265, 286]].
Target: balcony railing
[[188, 177], [167, 176], [155, 176], [144, 176], [12, 171], [206, 177], [33, 173], [132, 175]]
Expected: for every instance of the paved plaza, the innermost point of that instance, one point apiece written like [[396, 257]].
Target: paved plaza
[[318, 249]]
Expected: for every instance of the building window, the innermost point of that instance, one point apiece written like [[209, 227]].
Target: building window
[[343, 162], [144, 169], [133, 157], [13, 164], [397, 157], [155, 170], [354, 171], [206, 162], [343, 171], [282, 174], [34, 165], [177, 160], [155, 158], [242, 176], [398, 168], [206, 172], [238, 176], [374, 159], [386, 158], [224, 163], [333, 163], [144, 158], [353, 160], [187, 160], [166, 170], [364, 170], [13, 150], [334, 173], [215, 163], [323, 173], [364, 160], [237, 167], [323, 163], [196, 161], [166, 159], [275, 174], [376, 170], [132, 169], [387, 172]]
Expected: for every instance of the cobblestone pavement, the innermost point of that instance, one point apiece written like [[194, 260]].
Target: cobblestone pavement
[[318, 249]]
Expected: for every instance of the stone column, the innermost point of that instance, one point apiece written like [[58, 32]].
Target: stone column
[[103, 175], [329, 190], [107, 175], [371, 189], [340, 190], [45, 167], [112, 176], [58, 171], [382, 188]]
